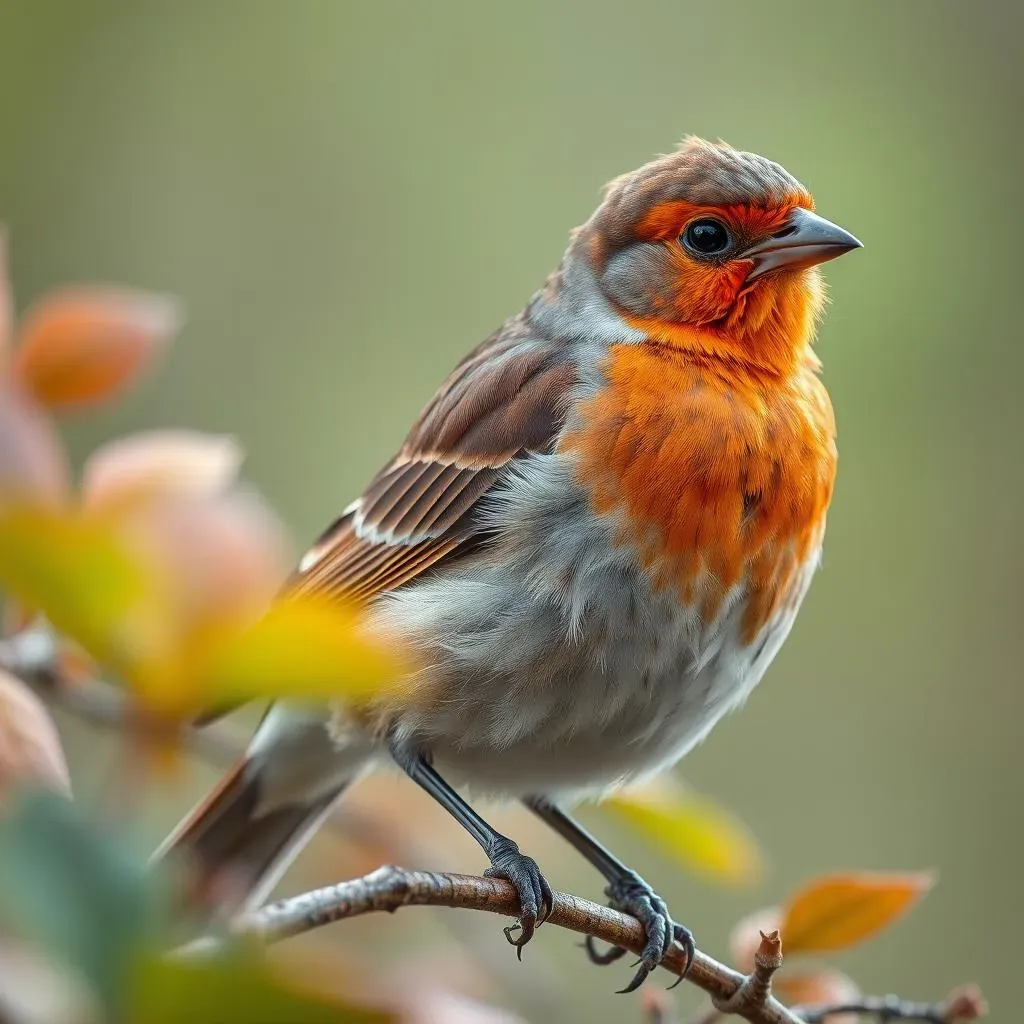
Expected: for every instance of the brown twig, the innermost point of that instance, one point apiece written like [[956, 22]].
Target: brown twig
[[756, 989], [963, 1004], [34, 656], [389, 888]]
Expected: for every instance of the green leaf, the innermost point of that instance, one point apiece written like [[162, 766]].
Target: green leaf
[[304, 647], [76, 892], [692, 830], [77, 572], [222, 991]]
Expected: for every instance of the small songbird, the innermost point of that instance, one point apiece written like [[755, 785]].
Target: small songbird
[[593, 541]]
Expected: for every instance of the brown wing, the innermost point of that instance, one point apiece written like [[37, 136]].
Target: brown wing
[[506, 399]]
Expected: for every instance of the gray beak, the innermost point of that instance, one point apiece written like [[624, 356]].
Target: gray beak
[[805, 241]]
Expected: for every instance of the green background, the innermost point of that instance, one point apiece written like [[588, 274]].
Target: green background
[[348, 196]]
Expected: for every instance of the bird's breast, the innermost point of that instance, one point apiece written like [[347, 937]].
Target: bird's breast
[[639, 580], [715, 475]]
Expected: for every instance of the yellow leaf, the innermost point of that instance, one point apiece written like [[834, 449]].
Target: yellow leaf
[[167, 991], [693, 830], [839, 911], [82, 345], [80, 575], [304, 647]]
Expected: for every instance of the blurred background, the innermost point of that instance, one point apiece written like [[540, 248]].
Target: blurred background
[[348, 196]]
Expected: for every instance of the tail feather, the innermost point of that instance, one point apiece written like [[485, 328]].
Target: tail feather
[[232, 853], [236, 844]]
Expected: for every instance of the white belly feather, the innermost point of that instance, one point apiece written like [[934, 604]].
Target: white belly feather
[[553, 664]]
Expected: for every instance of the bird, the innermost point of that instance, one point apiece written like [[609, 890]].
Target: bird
[[593, 541]]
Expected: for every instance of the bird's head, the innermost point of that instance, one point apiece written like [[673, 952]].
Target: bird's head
[[714, 250]]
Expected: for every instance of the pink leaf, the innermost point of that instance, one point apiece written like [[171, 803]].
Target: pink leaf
[[159, 464], [33, 466], [30, 747], [224, 556]]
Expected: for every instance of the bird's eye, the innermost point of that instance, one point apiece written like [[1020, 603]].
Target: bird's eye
[[706, 237]]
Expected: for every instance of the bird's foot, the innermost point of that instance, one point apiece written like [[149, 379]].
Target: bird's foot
[[536, 900], [631, 895]]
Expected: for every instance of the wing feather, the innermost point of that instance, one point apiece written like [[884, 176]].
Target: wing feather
[[506, 399]]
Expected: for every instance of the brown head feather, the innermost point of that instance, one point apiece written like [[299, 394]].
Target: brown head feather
[[698, 173]]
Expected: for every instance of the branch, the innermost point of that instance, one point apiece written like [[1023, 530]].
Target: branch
[[34, 656], [963, 1004], [756, 988], [389, 888]]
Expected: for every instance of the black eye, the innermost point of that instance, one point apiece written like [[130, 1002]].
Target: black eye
[[706, 237]]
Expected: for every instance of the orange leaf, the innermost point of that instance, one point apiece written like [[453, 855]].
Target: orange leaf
[[82, 345], [839, 911], [30, 748], [158, 464], [33, 466]]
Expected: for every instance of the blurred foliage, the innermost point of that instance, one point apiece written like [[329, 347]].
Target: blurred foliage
[[164, 572], [348, 196], [75, 892], [30, 746], [695, 831], [169, 992], [840, 911], [827, 914]]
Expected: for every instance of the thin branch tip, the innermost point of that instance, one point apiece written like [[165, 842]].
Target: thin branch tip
[[962, 1005], [769, 953]]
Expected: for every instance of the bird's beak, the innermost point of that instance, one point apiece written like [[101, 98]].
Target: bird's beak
[[804, 241]]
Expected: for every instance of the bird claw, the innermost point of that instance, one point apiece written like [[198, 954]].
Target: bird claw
[[631, 895], [536, 900], [609, 956], [684, 937]]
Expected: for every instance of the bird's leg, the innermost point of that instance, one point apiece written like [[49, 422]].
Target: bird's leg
[[626, 891], [535, 897]]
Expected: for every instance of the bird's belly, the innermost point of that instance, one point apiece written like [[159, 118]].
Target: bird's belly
[[604, 728], [554, 664]]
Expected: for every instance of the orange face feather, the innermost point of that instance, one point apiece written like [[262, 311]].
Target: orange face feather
[[712, 309]]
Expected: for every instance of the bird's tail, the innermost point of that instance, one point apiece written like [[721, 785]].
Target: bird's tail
[[235, 845]]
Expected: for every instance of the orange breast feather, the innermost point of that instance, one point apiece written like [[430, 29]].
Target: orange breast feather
[[724, 473]]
